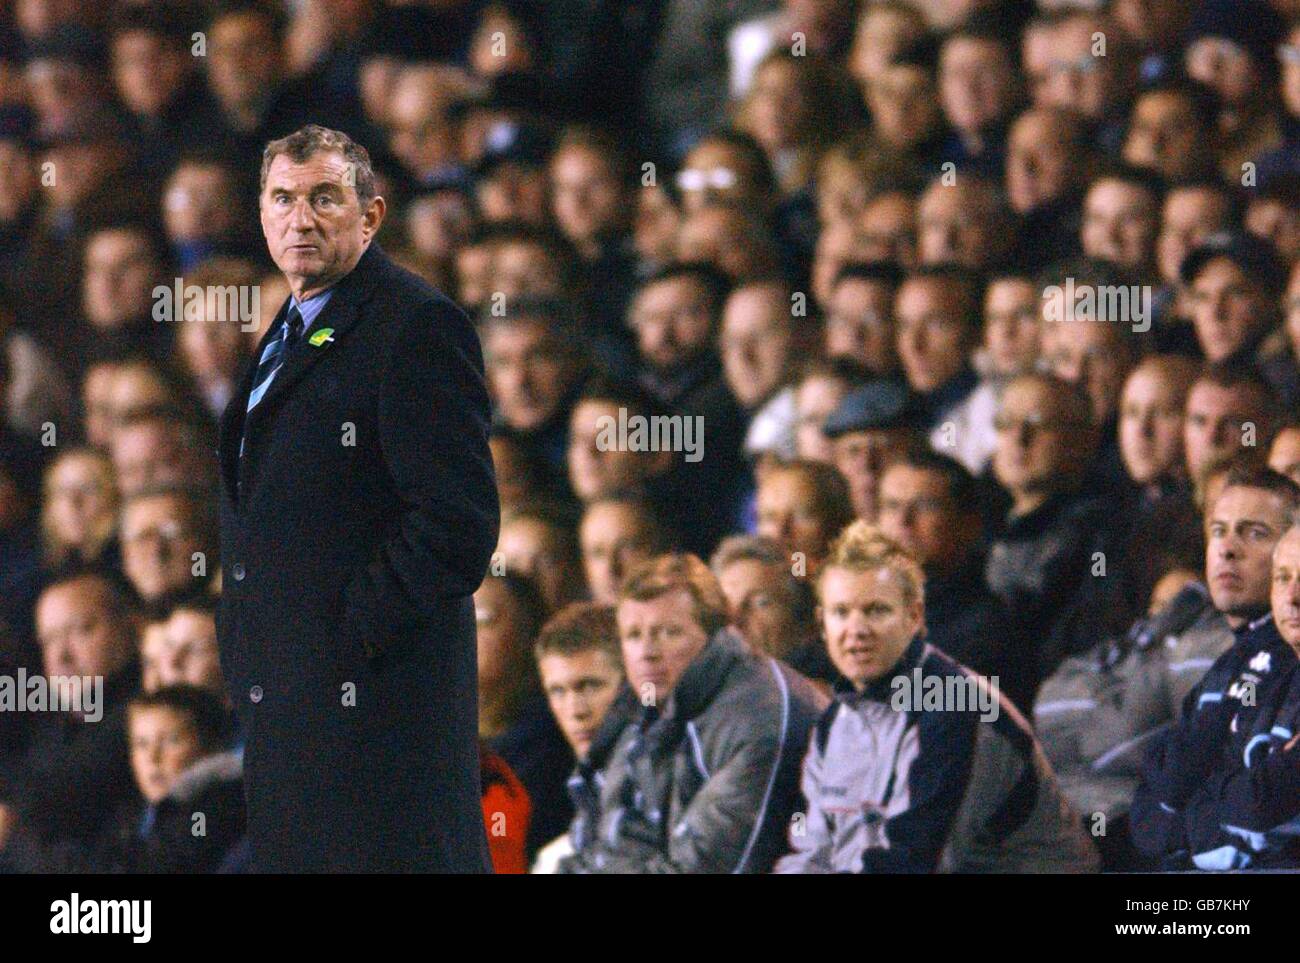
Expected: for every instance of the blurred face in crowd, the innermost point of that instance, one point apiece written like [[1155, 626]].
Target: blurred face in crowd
[[887, 231], [514, 191], [904, 105], [82, 167], [718, 171], [755, 342], [1166, 136], [1216, 422], [977, 84], [147, 454], [186, 651], [314, 224], [1285, 593], [244, 61], [147, 70], [673, 322], [1093, 355], [132, 390], [211, 347], [842, 191], [730, 240], [586, 197], [159, 541], [882, 34], [1191, 214], [1242, 528], [1151, 426], [533, 548], [97, 401], [80, 501], [439, 223], [867, 620], [1077, 79], [525, 268], [1277, 222], [1012, 333], [17, 180], [1290, 61], [777, 111], [1033, 455], [788, 514], [933, 331], [513, 472], [615, 538], [860, 324], [1228, 309], [580, 688], [529, 371], [660, 639], [500, 633], [163, 745], [1223, 65], [917, 511], [654, 232], [598, 468], [837, 245], [420, 135], [1041, 162], [862, 457], [120, 272], [77, 632], [1120, 221], [960, 224], [759, 605], [1284, 455], [1168, 586], [198, 202], [1151, 21], [815, 398]]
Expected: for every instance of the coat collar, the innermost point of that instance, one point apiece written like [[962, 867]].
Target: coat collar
[[341, 314]]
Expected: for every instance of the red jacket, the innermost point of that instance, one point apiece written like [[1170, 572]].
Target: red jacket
[[506, 811]]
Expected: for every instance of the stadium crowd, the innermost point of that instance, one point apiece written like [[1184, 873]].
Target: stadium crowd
[[843, 353]]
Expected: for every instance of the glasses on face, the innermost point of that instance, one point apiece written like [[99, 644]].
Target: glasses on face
[[1083, 65], [1289, 53], [700, 178], [171, 531]]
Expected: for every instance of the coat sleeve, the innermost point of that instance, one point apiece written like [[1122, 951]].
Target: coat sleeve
[[434, 417], [810, 843]]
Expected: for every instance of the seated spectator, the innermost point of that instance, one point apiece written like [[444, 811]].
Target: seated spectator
[[1218, 788], [183, 650], [211, 346], [705, 776], [616, 535], [537, 542], [79, 516], [1284, 455], [801, 505], [820, 389], [1012, 329], [156, 450], [581, 667], [894, 788], [868, 430], [169, 544], [860, 317], [757, 344]]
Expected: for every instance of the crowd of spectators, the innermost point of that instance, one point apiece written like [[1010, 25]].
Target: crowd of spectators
[[830, 343]]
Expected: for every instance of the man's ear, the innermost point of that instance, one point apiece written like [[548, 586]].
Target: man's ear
[[373, 216]]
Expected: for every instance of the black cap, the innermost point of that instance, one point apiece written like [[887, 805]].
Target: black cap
[[513, 143], [1254, 255], [880, 405]]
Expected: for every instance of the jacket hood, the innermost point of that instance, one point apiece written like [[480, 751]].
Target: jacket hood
[[206, 773]]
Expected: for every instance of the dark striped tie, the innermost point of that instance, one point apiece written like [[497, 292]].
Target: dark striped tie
[[273, 359]]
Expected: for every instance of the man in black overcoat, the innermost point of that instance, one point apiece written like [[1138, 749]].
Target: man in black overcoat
[[358, 514]]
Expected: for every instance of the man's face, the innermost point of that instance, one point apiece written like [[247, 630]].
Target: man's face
[[887, 231], [755, 344], [523, 268], [932, 333], [146, 71], [529, 372], [77, 634], [1119, 224], [976, 83], [787, 512], [532, 548], [1011, 327], [672, 322], [614, 539], [904, 105], [119, 276], [727, 239], [1277, 222], [660, 640], [597, 469], [1285, 593], [814, 400], [314, 225], [158, 543], [715, 171], [1092, 355], [1191, 215], [585, 195], [862, 457], [1032, 451], [1216, 422], [499, 635], [759, 606], [1076, 79], [580, 689], [917, 511], [1284, 456], [1150, 426], [1040, 167], [1241, 531], [1163, 135], [187, 651], [147, 454], [958, 225], [1223, 65], [867, 622], [1227, 309], [197, 203], [163, 745], [860, 324], [244, 60]]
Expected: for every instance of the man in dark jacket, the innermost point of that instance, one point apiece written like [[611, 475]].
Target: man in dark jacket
[[705, 776], [358, 513]]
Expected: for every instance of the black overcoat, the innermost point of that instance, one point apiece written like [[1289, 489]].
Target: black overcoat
[[354, 529]]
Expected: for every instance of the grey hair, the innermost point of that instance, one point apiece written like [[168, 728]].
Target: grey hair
[[306, 142]]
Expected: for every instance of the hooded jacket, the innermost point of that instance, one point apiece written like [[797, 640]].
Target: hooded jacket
[[706, 785]]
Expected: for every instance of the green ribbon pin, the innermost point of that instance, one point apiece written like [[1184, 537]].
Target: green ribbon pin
[[321, 337]]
